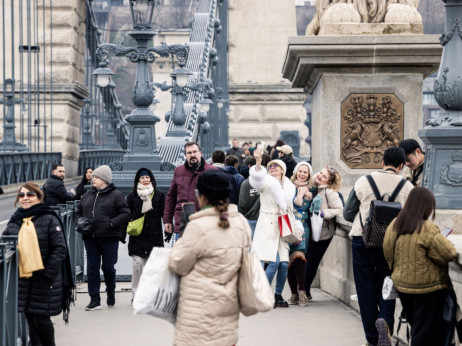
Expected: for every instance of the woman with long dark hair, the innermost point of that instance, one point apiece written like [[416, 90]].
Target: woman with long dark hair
[[42, 251], [86, 180], [145, 199], [418, 255], [208, 257]]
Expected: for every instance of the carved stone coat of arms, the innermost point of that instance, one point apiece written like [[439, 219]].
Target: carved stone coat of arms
[[370, 124]]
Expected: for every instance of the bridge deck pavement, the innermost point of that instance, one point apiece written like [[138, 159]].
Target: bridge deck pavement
[[325, 321]]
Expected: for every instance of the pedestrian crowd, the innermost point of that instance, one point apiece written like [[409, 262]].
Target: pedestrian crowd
[[239, 199]]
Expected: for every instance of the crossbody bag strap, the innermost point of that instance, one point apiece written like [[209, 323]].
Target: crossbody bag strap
[[397, 190]]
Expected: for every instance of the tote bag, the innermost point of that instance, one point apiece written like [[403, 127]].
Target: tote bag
[[157, 292], [253, 289], [289, 229], [316, 225]]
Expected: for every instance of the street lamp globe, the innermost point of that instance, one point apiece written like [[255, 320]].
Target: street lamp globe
[[204, 105], [140, 10], [180, 75], [102, 76]]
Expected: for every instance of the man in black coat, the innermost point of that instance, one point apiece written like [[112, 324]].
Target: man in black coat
[[107, 207], [55, 192], [236, 151]]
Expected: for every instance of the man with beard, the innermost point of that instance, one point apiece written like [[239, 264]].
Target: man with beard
[[55, 192], [183, 186]]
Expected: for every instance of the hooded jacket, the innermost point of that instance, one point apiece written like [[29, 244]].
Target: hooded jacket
[[109, 210], [151, 235], [182, 190]]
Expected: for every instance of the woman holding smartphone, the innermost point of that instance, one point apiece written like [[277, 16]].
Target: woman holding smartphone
[[276, 196], [422, 282]]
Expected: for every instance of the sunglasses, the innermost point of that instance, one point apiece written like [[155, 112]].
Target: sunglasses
[[28, 194], [332, 169], [273, 166]]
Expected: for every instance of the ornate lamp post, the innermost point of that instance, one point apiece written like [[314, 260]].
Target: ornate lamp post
[[443, 134], [179, 90], [142, 149], [9, 140], [87, 139]]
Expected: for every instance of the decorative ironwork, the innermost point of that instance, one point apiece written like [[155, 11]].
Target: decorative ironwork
[[167, 166], [446, 37], [451, 174], [370, 123], [142, 139]]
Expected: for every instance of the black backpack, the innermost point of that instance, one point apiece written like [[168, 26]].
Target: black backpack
[[381, 214]]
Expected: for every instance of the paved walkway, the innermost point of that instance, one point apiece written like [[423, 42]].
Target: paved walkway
[[325, 321]]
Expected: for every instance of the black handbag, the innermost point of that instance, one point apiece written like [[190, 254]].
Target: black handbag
[[85, 225]]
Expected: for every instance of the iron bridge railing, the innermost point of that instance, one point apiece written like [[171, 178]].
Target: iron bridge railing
[[97, 157], [25, 166]]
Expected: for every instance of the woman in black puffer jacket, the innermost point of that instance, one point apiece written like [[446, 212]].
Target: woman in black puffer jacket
[[40, 295], [139, 201]]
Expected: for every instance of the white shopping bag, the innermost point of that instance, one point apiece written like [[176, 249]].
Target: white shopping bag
[[316, 225], [157, 292]]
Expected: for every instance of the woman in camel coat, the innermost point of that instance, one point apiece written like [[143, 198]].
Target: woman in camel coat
[[208, 257]]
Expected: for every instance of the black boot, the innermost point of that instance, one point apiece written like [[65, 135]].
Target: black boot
[[279, 302]]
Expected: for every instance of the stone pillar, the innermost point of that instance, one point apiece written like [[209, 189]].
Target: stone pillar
[[262, 103], [356, 83], [62, 78]]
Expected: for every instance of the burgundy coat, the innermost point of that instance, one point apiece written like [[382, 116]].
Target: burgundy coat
[[182, 190]]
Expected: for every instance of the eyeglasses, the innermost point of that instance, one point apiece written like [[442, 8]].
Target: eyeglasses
[[273, 166], [28, 194], [192, 152]]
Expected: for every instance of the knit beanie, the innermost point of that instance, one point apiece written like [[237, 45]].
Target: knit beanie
[[141, 173], [215, 184], [279, 163], [104, 173]]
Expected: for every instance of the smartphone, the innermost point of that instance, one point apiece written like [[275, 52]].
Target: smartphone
[[447, 231], [259, 144]]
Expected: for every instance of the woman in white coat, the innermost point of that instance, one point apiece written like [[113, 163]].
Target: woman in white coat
[[276, 195]]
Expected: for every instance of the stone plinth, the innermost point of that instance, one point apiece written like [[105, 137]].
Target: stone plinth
[[333, 67]]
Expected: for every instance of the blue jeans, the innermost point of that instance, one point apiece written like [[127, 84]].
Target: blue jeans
[[253, 224], [369, 269], [281, 268], [97, 250]]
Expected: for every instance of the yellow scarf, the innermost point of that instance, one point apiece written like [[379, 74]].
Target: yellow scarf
[[30, 258]]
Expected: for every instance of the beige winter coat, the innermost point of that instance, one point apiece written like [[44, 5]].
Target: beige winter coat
[[208, 259], [331, 207]]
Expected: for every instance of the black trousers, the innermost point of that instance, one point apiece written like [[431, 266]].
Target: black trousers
[[314, 254], [425, 315], [41, 330]]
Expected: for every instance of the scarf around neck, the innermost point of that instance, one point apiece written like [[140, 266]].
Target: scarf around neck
[[145, 192], [299, 183]]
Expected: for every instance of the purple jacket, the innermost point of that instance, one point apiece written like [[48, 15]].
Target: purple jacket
[[181, 191]]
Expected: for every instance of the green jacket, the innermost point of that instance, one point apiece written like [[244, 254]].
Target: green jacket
[[420, 260]]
